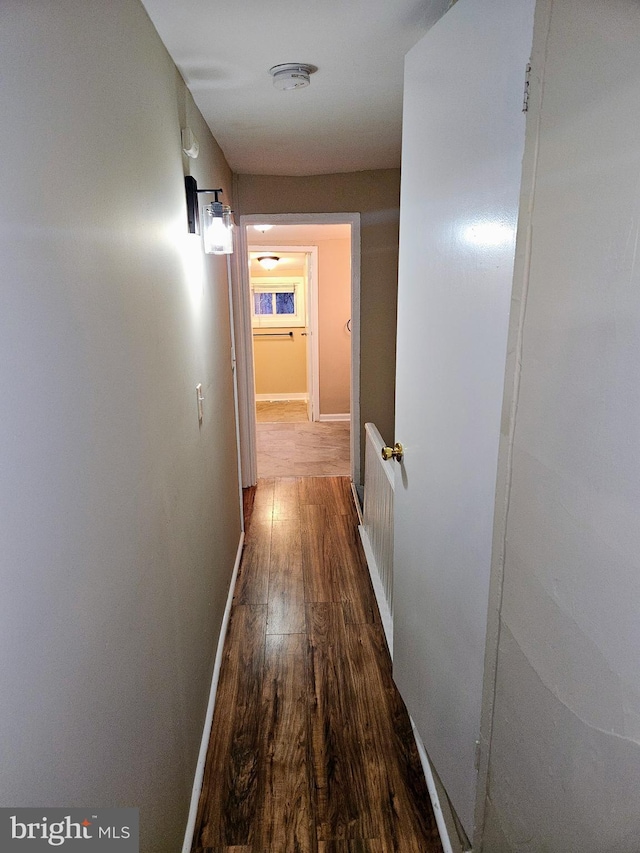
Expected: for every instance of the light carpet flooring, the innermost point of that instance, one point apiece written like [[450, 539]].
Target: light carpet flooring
[[278, 411], [295, 447]]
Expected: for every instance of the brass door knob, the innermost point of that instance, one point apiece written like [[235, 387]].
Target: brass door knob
[[394, 452]]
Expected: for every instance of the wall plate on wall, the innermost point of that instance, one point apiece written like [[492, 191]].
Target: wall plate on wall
[[200, 401], [190, 144]]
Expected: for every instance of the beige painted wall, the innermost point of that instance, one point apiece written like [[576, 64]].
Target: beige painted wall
[[375, 194], [280, 363], [334, 309], [120, 523]]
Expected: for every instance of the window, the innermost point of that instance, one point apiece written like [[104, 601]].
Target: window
[[277, 302]]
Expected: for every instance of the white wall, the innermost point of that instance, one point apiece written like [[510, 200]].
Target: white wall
[[565, 754], [119, 522]]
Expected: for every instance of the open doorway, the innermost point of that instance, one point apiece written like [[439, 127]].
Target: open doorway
[[302, 342], [284, 319]]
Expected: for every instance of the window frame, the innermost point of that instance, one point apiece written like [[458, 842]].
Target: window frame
[[279, 284]]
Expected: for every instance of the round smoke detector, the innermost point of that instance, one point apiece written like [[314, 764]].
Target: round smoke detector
[[291, 75]]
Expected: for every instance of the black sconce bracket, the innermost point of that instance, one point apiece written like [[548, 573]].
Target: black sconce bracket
[[193, 212]]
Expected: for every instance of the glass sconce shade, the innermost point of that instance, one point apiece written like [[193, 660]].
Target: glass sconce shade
[[217, 228], [216, 219]]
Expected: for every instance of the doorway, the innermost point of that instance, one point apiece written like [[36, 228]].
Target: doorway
[[284, 322], [298, 362]]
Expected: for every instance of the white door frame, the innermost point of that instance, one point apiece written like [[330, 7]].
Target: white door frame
[[311, 307], [311, 319], [244, 353]]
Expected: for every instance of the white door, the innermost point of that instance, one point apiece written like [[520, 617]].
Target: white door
[[462, 152]]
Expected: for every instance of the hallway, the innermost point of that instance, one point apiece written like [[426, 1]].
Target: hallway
[[311, 747]]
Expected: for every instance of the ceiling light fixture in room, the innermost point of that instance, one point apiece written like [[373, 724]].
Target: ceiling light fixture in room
[[262, 228], [292, 75], [269, 262]]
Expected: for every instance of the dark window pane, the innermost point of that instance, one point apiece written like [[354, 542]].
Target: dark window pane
[[263, 303], [285, 303]]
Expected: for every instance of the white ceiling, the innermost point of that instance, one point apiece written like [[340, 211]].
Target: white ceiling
[[348, 119]]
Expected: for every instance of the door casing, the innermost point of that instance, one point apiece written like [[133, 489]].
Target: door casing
[[311, 304], [244, 347]]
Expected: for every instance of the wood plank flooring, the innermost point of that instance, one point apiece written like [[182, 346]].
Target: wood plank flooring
[[311, 749]]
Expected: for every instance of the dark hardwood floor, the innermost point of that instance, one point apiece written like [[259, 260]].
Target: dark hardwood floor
[[311, 749]]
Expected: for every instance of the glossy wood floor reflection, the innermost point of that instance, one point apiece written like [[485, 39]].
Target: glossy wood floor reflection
[[311, 749]]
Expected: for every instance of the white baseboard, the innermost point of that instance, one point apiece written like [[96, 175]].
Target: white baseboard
[[381, 598], [387, 624], [344, 416], [208, 720], [281, 398], [433, 793], [356, 503]]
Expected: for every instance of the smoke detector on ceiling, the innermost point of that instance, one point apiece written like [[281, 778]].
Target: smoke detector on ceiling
[[292, 75]]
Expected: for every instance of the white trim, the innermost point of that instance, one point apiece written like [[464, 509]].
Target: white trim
[[244, 363], [433, 793], [311, 302], [313, 349], [208, 720], [281, 398], [283, 284], [511, 398], [345, 416], [236, 411], [356, 501], [357, 475], [247, 429], [376, 583]]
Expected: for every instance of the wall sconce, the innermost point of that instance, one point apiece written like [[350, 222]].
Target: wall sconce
[[217, 220], [269, 262]]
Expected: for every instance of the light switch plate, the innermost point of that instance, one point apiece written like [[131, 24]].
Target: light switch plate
[[200, 400]]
